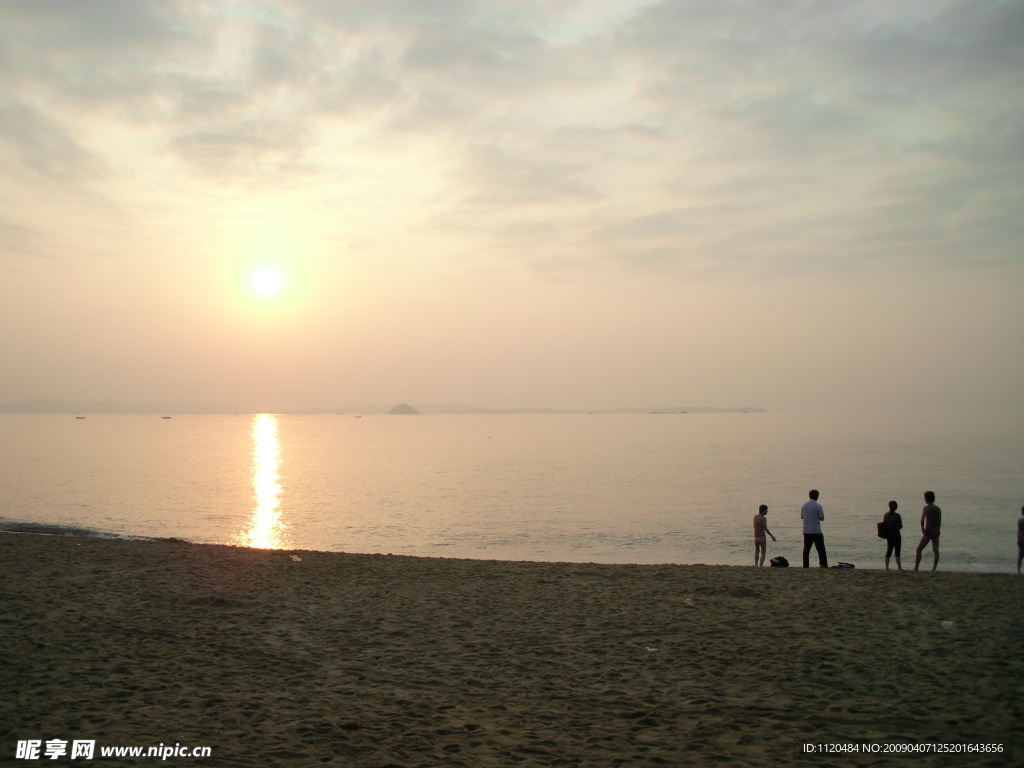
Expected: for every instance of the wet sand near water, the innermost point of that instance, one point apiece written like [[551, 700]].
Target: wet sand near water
[[373, 660]]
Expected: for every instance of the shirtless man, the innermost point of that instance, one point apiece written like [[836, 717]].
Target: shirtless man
[[931, 521], [760, 540]]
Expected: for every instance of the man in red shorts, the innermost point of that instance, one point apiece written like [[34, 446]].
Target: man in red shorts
[[931, 521]]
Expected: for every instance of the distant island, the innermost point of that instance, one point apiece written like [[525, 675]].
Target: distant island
[[61, 407], [403, 410]]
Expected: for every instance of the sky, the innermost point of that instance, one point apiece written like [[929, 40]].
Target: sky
[[286, 204]]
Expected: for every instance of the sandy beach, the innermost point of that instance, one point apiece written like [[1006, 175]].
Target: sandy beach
[[274, 658]]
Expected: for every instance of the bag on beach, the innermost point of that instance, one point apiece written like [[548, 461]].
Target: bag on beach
[[883, 530], [780, 562]]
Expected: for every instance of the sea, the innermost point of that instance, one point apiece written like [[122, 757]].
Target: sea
[[602, 487]]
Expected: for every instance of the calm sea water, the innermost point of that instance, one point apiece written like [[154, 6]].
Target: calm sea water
[[613, 488]]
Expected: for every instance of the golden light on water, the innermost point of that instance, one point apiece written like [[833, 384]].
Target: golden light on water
[[266, 530]]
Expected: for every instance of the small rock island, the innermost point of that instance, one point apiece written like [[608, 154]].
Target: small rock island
[[403, 410]]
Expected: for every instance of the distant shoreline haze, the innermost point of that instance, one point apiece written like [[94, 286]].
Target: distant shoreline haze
[[118, 407]]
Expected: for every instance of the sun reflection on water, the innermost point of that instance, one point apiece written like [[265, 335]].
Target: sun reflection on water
[[266, 529]]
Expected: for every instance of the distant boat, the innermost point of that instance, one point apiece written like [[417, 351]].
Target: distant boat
[[79, 417], [165, 417]]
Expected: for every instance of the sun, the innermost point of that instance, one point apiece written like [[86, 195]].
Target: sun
[[266, 282]]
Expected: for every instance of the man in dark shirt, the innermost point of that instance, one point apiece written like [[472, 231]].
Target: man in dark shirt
[[893, 538], [1020, 538]]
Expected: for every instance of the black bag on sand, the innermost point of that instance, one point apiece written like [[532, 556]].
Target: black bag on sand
[[883, 530], [780, 562]]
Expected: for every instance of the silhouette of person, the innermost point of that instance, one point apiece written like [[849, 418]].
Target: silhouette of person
[[894, 539], [812, 514], [931, 522], [760, 531], [1020, 538]]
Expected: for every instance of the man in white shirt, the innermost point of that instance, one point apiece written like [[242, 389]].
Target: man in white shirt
[[812, 515]]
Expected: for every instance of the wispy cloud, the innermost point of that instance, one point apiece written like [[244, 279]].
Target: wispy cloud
[[42, 148]]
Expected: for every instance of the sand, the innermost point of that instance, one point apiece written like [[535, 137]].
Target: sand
[[374, 660]]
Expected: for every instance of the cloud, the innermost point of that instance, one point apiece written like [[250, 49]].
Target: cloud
[[496, 177], [477, 58], [99, 26], [105, 54], [686, 174], [244, 149], [357, 91], [210, 102], [659, 135], [44, 147], [17, 239]]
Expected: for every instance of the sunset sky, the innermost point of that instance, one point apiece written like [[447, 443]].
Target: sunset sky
[[593, 204]]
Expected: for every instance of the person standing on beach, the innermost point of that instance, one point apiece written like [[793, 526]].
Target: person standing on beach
[[761, 529], [1020, 539], [812, 514], [893, 522], [931, 521]]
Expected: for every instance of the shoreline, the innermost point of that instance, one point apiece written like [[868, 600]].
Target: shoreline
[[376, 660], [73, 531]]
